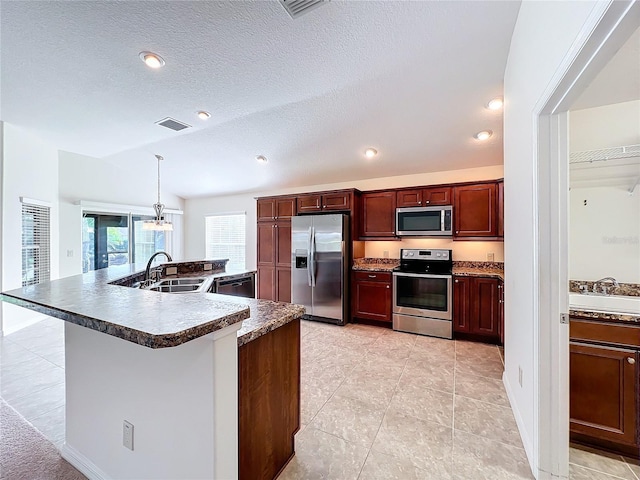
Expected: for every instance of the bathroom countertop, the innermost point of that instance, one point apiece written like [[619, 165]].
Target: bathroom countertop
[[605, 316]]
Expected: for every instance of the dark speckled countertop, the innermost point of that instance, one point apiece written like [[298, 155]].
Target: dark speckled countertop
[[151, 319]]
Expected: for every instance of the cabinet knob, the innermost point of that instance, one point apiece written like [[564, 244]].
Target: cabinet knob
[[388, 286], [631, 360], [420, 202], [456, 281], [457, 232], [427, 201]]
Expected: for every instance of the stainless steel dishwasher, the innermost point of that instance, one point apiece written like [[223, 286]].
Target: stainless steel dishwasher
[[242, 285]]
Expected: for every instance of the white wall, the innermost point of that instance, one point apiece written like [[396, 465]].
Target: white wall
[[607, 126], [92, 179], [543, 36], [605, 234], [29, 169], [197, 209]]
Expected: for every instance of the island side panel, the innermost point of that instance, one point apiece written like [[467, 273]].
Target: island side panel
[[168, 394], [269, 401]]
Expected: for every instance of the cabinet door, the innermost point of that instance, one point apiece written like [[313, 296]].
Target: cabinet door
[[372, 300], [437, 196], [501, 209], [336, 201], [309, 203], [283, 244], [379, 214], [266, 243], [485, 307], [603, 392], [266, 283], [474, 210], [409, 198], [283, 287], [461, 304], [266, 209], [285, 207]]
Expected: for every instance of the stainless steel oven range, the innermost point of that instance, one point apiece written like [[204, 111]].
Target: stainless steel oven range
[[423, 293]]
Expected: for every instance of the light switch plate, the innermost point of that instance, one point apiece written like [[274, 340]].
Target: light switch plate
[[171, 271], [127, 434], [208, 266]]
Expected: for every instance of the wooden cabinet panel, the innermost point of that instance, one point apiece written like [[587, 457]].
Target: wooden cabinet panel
[[437, 196], [266, 209], [409, 198], [485, 307], [372, 296], [501, 209], [603, 392], [266, 283], [424, 197], [461, 304], [268, 402], [309, 203], [378, 214], [336, 201], [283, 244], [285, 207], [283, 284], [474, 210], [266, 243]]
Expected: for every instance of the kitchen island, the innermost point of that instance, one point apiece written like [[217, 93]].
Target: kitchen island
[[165, 363]]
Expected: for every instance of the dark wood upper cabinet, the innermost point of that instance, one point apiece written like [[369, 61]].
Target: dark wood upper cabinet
[[501, 209], [336, 201], [309, 203], [275, 208], [603, 393], [424, 197], [475, 210], [379, 214]]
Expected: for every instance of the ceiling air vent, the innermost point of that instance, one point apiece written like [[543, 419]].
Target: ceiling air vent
[[296, 8], [172, 124]]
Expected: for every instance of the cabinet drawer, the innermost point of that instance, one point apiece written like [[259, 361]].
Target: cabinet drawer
[[373, 277], [604, 332]]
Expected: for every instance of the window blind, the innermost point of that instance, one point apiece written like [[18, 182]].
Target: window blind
[[36, 249], [226, 238]]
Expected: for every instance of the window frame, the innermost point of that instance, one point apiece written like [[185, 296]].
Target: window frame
[[242, 247], [37, 212]]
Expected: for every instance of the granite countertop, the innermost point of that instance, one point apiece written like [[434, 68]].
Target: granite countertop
[[605, 316], [375, 264], [479, 269], [151, 319]]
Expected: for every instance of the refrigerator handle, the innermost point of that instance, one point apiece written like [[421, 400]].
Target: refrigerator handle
[[309, 256], [312, 253]]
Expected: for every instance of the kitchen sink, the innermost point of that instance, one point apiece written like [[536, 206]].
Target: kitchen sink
[[181, 285]]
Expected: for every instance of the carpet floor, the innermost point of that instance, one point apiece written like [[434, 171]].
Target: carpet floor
[[26, 454]]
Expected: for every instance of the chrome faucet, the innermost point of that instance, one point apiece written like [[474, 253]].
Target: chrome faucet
[[604, 284], [147, 272]]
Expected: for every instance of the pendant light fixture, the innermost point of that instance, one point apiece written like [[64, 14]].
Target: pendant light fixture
[[159, 223]]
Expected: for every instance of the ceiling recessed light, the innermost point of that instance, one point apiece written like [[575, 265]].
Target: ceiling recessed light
[[495, 104], [153, 60], [262, 159], [370, 152], [202, 115], [483, 135]]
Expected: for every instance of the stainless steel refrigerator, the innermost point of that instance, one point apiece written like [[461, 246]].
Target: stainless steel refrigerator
[[319, 270]]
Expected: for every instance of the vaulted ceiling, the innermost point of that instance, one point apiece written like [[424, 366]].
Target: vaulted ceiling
[[410, 79]]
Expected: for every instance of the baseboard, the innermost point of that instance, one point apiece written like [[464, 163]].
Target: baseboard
[[526, 441], [83, 464]]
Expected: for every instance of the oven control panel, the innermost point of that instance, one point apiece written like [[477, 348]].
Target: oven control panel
[[425, 254]]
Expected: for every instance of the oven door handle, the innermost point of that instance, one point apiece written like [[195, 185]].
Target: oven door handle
[[421, 275]]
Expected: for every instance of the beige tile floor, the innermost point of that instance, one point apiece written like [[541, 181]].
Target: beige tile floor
[[376, 404]]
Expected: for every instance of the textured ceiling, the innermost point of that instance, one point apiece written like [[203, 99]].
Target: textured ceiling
[[407, 78]]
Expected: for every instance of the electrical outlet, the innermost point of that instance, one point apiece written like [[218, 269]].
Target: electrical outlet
[[207, 266], [490, 257], [520, 375], [171, 271], [69, 253], [385, 254], [127, 435]]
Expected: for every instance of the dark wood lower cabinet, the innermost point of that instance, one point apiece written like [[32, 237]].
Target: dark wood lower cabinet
[[372, 296], [268, 402], [477, 308]]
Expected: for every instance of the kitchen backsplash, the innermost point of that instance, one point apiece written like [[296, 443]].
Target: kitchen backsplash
[[624, 289], [461, 251]]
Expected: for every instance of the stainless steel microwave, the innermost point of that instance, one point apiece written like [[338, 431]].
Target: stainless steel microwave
[[424, 221]]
